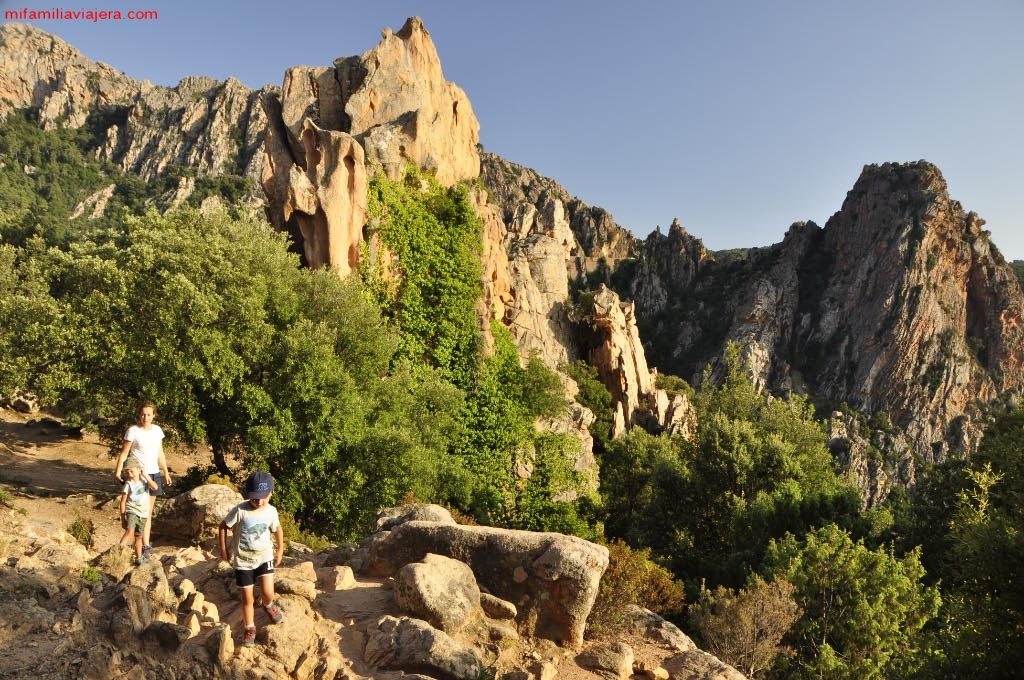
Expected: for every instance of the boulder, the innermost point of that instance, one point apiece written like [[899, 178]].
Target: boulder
[[196, 514], [698, 665], [389, 518], [644, 622], [439, 590], [289, 640], [497, 608], [551, 578], [613, 660], [411, 644]]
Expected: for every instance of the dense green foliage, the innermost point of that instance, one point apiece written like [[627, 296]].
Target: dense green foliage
[[212, 318], [757, 468], [431, 287], [969, 518], [863, 608], [428, 282], [1018, 269], [595, 396], [756, 491]]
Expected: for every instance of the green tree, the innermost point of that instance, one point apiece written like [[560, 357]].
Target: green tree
[[863, 608], [213, 319], [756, 469], [980, 558]]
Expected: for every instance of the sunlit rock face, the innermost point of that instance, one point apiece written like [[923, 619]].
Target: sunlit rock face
[[900, 305]]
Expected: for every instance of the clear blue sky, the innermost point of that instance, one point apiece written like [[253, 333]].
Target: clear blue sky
[[738, 118]]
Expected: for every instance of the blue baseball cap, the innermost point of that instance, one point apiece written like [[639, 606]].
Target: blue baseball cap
[[258, 485]]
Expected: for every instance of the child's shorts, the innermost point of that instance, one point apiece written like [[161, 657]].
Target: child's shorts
[[247, 577], [134, 522]]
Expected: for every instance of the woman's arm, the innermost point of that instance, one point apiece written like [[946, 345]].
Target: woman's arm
[[162, 461], [126, 446]]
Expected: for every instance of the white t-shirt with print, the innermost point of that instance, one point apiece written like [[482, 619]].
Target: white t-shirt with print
[[137, 502], [146, 446], [253, 534]]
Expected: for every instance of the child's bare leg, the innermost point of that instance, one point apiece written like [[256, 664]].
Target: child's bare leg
[[138, 544], [129, 533], [267, 589], [247, 596]]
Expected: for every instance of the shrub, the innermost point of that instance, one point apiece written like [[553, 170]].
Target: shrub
[[83, 529], [294, 533], [91, 575], [632, 577], [745, 628]]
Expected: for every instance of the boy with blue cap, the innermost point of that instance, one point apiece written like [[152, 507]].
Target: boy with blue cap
[[257, 529]]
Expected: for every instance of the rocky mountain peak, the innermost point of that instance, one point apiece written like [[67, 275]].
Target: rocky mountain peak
[[331, 127], [211, 126], [900, 305]]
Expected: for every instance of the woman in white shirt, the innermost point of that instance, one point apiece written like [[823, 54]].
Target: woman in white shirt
[[144, 441]]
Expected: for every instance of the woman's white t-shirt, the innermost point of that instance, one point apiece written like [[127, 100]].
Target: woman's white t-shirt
[[146, 447]]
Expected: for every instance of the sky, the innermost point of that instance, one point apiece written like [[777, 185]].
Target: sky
[[736, 117]]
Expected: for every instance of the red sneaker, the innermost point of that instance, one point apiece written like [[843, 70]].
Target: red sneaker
[[250, 637], [273, 611]]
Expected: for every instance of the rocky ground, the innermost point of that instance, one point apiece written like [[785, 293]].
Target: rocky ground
[[69, 610]]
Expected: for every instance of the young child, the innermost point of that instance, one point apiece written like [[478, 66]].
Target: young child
[[134, 507], [257, 529]]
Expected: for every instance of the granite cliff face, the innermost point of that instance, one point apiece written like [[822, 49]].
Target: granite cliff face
[[211, 126], [331, 127], [553, 240], [900, 305]]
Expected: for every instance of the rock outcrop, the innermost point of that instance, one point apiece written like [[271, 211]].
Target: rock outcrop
[[331, 127], [76, 613], [212, 126], [900, 305], [551, 579], [551, 239]]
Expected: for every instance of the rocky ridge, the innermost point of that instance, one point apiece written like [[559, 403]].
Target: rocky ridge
[[900, 305], [313, 143], [214, 127]]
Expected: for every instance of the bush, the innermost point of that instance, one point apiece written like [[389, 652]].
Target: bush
[[91, 575], [632, 578], [83, 529], [294, 533], [745, 628]]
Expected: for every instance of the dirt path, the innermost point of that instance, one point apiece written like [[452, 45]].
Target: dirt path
[[58, 476]]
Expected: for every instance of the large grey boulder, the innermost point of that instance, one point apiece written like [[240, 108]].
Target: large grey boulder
[[439, 590], [196, 514], [552, 579], [413, 645]]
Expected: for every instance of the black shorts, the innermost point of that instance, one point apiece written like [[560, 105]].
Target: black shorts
[[158, 479], [245, 578]]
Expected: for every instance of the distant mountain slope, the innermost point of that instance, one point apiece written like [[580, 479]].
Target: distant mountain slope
[[900, 305], [213, 127]]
